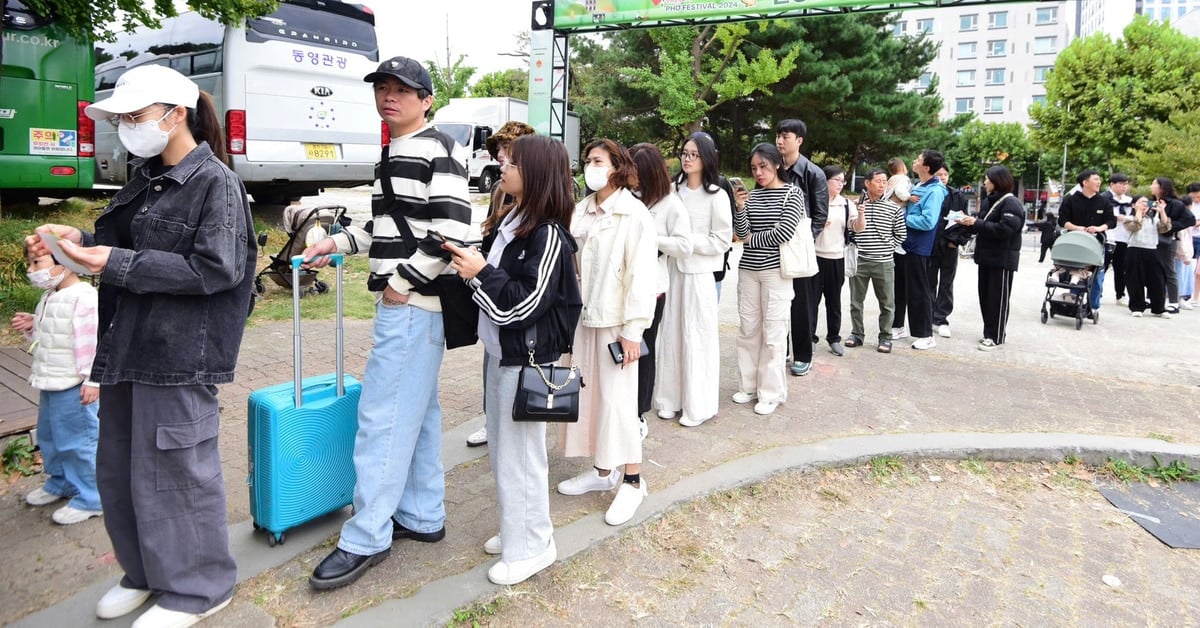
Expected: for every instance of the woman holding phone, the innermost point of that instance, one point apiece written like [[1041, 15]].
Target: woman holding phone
[[526, 282], [617, 273]]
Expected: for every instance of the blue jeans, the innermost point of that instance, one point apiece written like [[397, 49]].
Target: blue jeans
[[1096, 287], [67, 434], [398, 448]]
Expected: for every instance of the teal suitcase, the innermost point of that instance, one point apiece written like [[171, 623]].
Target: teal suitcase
[[301, 438]]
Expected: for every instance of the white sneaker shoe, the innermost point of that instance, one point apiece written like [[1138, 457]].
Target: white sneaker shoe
[[666, 415], [119, 601], [643, 428], [626, 503], [1136, 314], [492, 546], [765, 407], [478, 437], [899, 332], [589, 481], [944, 331], [921, 344], [159, 617], [503, 573], [1164, 315], [68, 515], [41, 497], [688, 421], [1121, 301], [1187, 305], [744, 397]]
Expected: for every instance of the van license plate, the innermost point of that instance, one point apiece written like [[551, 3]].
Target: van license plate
[[321, 151]]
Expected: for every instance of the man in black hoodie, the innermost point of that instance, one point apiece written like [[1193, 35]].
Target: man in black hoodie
[[1087, 211]]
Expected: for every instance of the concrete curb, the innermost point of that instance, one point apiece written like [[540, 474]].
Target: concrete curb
[[435, 603]]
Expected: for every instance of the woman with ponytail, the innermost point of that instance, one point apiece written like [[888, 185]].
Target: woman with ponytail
[[175, 254]]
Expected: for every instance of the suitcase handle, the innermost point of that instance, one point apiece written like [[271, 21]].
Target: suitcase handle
[[335, 259]]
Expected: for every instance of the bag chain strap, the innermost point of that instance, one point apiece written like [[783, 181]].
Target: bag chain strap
[[550, 384]]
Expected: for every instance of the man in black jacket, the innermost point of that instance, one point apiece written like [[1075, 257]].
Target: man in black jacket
[[1087, 211], [810, 180], [943, 263]]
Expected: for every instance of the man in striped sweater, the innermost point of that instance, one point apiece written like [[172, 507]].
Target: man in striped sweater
[[420, 189], [879, 229]]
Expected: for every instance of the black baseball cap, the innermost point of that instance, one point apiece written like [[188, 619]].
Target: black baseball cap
[[405, 70]]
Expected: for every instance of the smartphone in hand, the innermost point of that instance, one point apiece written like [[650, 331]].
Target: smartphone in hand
[[455, 241], [737, 184]]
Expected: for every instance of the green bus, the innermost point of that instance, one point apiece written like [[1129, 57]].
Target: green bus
[[47, 144]]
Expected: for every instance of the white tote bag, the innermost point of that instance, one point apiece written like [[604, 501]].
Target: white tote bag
[[798, 256]]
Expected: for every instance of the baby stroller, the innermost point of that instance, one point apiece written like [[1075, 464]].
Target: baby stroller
[[1077, 256], [304, 226]]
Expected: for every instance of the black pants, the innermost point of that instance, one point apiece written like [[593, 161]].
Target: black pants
[[915, 299], [1118, 268], [804, 315], [1145, 280], [829, 285], [646, 362], [1045, 247], [995, 287], [943, 265], [1166, 257]]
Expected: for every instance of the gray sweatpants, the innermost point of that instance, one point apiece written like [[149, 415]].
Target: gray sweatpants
[[517, 452], [159, 472]]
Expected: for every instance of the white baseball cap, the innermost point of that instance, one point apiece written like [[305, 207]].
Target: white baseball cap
[[143, 86]]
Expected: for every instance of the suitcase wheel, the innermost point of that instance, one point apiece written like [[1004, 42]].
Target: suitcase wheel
[[272, 541], [256, 526]]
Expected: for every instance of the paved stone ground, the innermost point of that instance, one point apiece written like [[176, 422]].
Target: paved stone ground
[[1123, 377]]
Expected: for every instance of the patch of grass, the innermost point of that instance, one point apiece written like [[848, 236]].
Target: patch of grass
[[275, 304], [1072, 460], [1176, 471], [885, 467], [974, 466], [20, 458], [1124, 470], [1163, 437], [474, 614]]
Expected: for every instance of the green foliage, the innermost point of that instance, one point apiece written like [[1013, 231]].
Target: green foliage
[[1124, 470], [1176, 471], [1170, 150], [275, 304], [475, 615], [19, 457], [505, 83], [95, 19], [983, 145], [1103, 95], [884, 467], [449, 81]]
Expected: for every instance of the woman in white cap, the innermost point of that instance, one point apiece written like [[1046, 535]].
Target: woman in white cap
[[175, 253]]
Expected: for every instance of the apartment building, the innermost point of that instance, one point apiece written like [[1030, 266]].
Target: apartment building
[[1112, 16]]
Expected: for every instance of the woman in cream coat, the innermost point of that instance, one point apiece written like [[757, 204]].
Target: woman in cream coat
[[617, 276], [689, 362]]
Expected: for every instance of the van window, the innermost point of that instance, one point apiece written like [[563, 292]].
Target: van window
[[324, 28]]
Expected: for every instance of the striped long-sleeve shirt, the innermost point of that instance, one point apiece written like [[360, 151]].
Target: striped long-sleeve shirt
[[885, 230], [769, 219]]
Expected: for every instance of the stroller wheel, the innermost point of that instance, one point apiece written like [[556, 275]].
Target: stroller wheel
[[259, 288], [320, 286], [1078, 322], [1045, 316]]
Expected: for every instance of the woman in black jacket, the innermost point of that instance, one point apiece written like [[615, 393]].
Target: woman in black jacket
[[997, 252], [526, 289]]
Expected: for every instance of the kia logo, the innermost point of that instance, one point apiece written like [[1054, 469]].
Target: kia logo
[[322, 91]]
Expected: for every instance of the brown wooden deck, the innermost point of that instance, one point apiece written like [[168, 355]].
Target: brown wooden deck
[[18, 400]]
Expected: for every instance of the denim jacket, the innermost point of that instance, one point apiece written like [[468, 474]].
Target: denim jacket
[[172, 310]]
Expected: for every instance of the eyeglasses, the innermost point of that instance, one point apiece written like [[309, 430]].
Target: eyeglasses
[[130, 120], [686, 156], [841, 180]]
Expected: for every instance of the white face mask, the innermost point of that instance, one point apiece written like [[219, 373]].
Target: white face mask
[[145, 139], [596, 177], [43, 280]]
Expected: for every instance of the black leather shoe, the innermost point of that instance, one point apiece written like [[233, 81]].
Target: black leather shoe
[[341, 568], [401, 532]]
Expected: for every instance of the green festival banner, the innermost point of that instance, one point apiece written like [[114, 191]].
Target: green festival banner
[[589, 14]]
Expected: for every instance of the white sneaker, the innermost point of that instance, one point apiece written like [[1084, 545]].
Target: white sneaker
[[744, 397], [503, 573], [1164, 315], [119, 601], [988, 345], [688, 421], [159, 617], [765, 407], [1136, 314], [68, 515], [944, 331], [589, 481], [1187, 305], [921, 344], [41, 497], [625, 504], [666, 415], [478, 437], [899, 332], [643, 428], [492, 546], [1122, 301]]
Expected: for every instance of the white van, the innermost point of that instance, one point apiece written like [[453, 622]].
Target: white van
[[288, 85]]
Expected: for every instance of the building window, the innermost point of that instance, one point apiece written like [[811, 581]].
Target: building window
[[925, 80], [995, 76], [1041, 72], [967, 50], [925, 26], [968, 22], [898, 28], [1040, 99], [1047, 15], [999, 47], [999, 19], [964, 105], [966, 78], [1045, 45], [993, 104]]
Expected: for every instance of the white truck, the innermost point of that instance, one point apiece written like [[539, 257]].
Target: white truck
[[470, 121]]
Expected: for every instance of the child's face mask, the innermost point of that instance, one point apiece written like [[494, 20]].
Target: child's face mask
[[43, 280]]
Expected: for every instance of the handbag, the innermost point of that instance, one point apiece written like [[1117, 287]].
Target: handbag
[[850, 257], [798, 256], [546, 392]]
